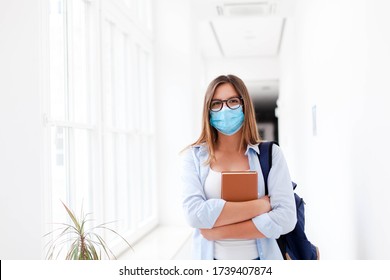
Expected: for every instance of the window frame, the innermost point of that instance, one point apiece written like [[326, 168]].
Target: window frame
[[98, 127]]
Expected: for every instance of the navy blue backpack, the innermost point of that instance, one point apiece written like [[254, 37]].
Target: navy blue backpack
[[293, 245]]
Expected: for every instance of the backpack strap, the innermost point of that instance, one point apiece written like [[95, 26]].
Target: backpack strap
[[265, 158]]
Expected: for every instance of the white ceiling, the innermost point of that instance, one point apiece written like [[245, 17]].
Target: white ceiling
[[240, 28], [231, 30], [248, 36]]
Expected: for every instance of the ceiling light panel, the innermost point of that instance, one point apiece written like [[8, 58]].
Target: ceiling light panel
[[248, 36]]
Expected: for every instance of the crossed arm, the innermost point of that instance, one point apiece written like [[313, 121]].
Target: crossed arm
[[235, 220]]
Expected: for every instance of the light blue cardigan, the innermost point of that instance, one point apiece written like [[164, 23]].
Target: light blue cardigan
[[202, 213]]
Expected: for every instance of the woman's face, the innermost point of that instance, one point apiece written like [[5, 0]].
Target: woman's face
[[227, 121]]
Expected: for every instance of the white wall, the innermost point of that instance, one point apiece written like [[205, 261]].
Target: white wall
[[336, 56], [21, 131], [373, 131]]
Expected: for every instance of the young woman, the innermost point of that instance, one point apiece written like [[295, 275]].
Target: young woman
[[229, 142]]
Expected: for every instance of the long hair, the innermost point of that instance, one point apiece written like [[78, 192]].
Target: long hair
[[209, 135]]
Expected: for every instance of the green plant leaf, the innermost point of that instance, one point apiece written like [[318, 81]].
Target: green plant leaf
[[92, 251], [72, 216], [104, 245], [73, 251]]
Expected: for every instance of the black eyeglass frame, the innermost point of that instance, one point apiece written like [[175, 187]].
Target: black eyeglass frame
[[225, 101]]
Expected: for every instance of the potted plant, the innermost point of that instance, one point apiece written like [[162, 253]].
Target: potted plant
[[85, 243]]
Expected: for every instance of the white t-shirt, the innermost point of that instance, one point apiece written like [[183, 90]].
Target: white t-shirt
[[228, 249]]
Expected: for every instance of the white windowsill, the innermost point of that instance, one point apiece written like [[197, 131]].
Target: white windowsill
[[162, 243]]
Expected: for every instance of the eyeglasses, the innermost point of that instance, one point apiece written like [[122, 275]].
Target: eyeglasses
[[233, 103]]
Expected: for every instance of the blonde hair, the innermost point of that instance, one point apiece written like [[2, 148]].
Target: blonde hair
[[209, 135]]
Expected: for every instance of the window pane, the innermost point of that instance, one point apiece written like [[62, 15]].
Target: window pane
[[144, 89], [107, 70], [133, 200], [119, 82], [146, 174], [82, 167], [132, 106], [117, 193], [115, 75], [137, 179], [122, 182], [144, 13], [57, 42], [79, 47], [59, 172], [110, 189]]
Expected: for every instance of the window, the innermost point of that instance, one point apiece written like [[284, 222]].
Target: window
[[100, 113]]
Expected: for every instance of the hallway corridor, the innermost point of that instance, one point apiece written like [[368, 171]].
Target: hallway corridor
[[98, 98]]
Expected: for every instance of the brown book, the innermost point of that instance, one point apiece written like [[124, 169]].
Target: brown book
[[239, 185]]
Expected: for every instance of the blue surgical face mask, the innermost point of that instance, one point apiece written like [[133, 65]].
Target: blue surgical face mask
[[227, 121]]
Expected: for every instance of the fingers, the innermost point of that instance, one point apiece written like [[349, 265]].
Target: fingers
[[266, 197]]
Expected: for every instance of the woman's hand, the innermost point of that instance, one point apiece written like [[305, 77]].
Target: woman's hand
[[235, 212], [265, 204], [210, 234], [262, 204]]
